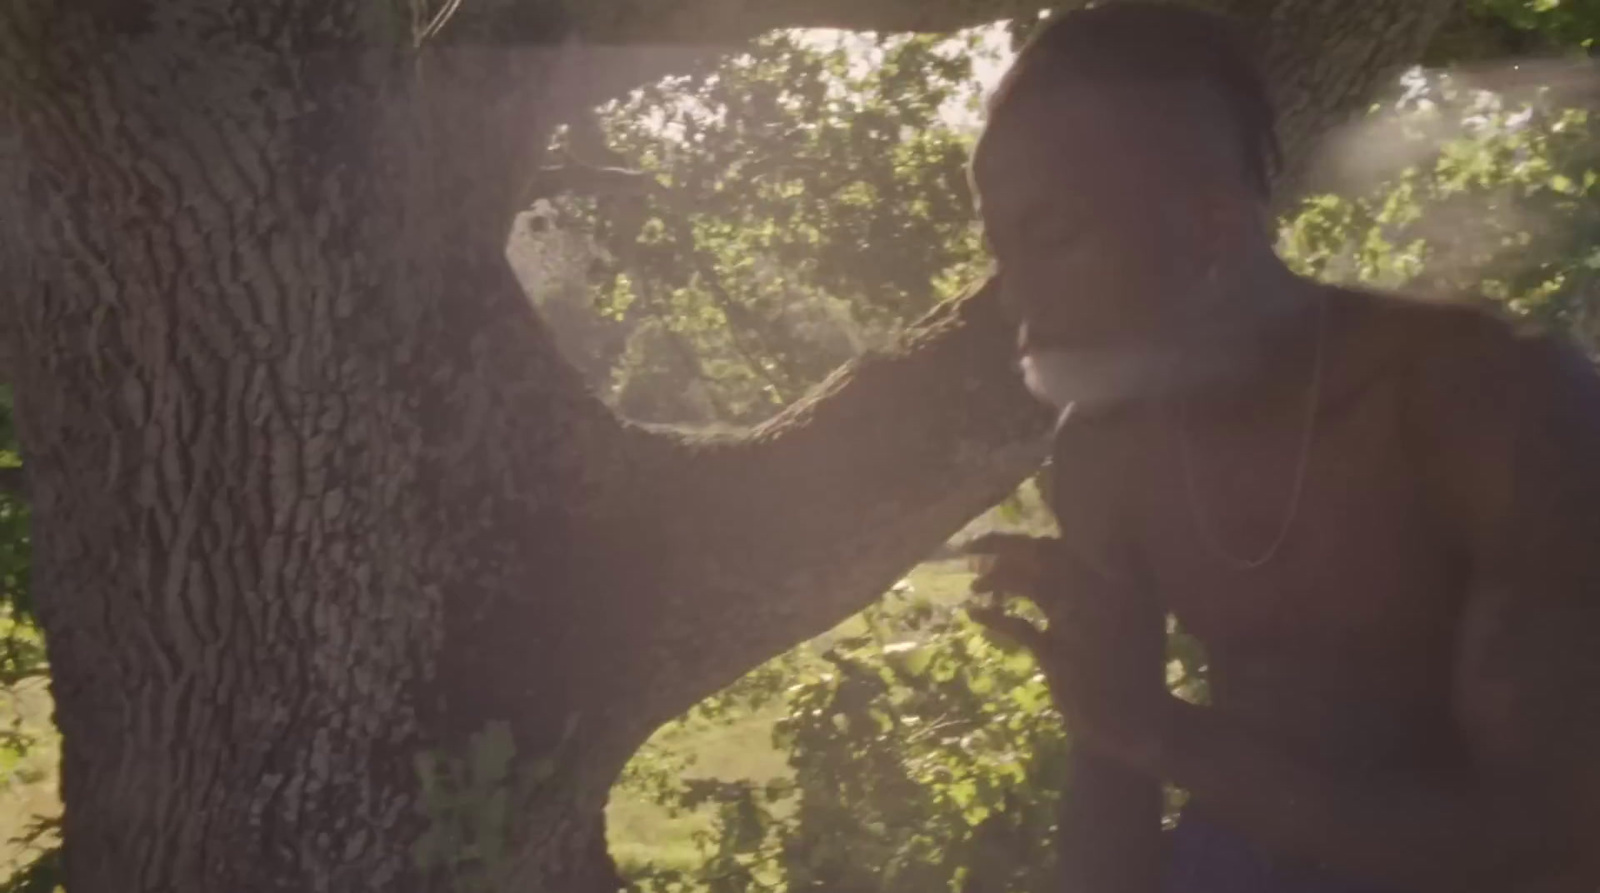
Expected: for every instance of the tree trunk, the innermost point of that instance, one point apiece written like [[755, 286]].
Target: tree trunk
[[318, 506]]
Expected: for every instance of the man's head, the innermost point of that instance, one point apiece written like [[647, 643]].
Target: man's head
[[1123, 177]]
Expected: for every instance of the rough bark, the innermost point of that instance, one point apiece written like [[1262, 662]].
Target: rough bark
[[293, 432], [1328, 58], [314, 493]]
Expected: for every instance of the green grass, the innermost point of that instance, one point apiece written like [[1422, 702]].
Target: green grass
[[945, 582], [642, 832]]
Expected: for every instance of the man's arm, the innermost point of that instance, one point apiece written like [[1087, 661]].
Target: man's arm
[[1109, 823], [1109, 837], [1108, 830], [1521, 473]]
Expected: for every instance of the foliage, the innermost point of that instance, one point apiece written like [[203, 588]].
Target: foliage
[[22, 669], [1507, 210], [809, 196], [923, 755], [467, 799], [14, 543], [42, 875], [917, 748], [1561, 23], [22, 660]]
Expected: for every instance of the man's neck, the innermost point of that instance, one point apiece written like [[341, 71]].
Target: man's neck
[[1275, 326]]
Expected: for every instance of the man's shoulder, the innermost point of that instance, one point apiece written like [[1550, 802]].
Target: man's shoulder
[[1460, 343], [1451, 321], [1479, 379]]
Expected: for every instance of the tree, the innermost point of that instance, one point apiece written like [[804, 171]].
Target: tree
[[347, 581]]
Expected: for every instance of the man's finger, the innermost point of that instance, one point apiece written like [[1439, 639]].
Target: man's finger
[[1000, 578], [1004, 545], [1005, 563], [1010, 626]]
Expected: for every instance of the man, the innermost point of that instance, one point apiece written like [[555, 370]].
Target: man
[[1378, 515]]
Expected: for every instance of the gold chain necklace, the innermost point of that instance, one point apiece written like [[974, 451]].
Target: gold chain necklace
[[1202, 524]]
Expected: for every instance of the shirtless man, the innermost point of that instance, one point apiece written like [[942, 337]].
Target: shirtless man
[[1380, 516]]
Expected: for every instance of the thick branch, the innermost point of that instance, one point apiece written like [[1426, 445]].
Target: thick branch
[[583, 179], [778, 535], [734, 20]]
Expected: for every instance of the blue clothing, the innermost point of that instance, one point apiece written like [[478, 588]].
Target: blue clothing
[[1207, 858]]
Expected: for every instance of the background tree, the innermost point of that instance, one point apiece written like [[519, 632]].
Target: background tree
[[348, 582]]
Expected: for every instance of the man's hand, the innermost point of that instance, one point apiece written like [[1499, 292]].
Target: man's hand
[[1081, 654], [1009, 564], [1126, 723]]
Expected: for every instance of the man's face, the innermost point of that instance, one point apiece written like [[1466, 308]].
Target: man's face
[[1102, 235], [1100, 243]]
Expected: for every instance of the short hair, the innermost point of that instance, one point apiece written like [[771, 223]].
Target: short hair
[[1142, 42]]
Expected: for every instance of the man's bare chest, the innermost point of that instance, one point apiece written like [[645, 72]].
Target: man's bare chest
[[1248, 530]]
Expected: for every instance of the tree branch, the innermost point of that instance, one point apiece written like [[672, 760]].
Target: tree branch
[[718, 21], [779, 534], [583, 179]]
